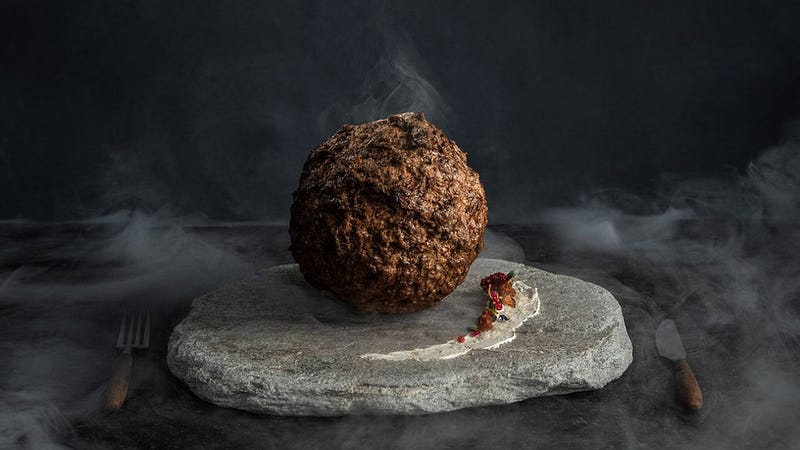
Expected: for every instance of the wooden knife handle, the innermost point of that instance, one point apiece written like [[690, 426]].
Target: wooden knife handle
[[689, 393], [117, 388]]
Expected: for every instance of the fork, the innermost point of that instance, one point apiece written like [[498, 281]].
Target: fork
[[134, 333]]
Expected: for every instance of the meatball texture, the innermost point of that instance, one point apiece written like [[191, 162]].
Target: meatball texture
[[388, 215]]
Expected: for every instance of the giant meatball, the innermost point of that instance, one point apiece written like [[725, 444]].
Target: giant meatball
[[388, 215]]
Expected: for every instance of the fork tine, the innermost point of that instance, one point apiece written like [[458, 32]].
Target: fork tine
[[134, 330], [122, 328], [131, 324], [146, 342], [138, 327]]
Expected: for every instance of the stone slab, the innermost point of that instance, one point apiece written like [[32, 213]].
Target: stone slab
[[273, 344]]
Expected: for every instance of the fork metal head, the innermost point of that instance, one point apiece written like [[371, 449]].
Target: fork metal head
[[134, 331]]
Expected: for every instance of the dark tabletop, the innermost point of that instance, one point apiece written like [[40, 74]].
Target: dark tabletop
[[732, 288]]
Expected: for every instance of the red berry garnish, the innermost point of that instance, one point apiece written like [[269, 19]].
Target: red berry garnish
[[495, 279], [461, 339]]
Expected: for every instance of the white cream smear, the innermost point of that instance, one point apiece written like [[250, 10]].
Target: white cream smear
[[528, 303]]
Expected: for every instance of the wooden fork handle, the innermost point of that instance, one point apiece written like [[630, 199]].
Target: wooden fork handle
[[689, 393], [117, 388]]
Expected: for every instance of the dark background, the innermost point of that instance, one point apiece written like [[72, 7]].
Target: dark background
[[652, 148], [211, 108]]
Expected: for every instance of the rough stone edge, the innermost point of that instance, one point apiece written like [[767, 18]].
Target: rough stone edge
[[346, 401]]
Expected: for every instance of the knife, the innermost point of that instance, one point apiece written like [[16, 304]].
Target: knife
[[670, 346]]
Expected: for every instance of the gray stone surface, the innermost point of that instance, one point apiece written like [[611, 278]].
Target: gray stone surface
[[272, 344]]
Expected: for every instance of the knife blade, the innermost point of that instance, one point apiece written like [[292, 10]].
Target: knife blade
[[670, 346]]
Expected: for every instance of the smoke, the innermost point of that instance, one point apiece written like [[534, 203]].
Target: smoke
[[111, 108], [775, 177], [394, 84], [138, 179], [139, 255], [719, 258], [715, 253], [59, 309]]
